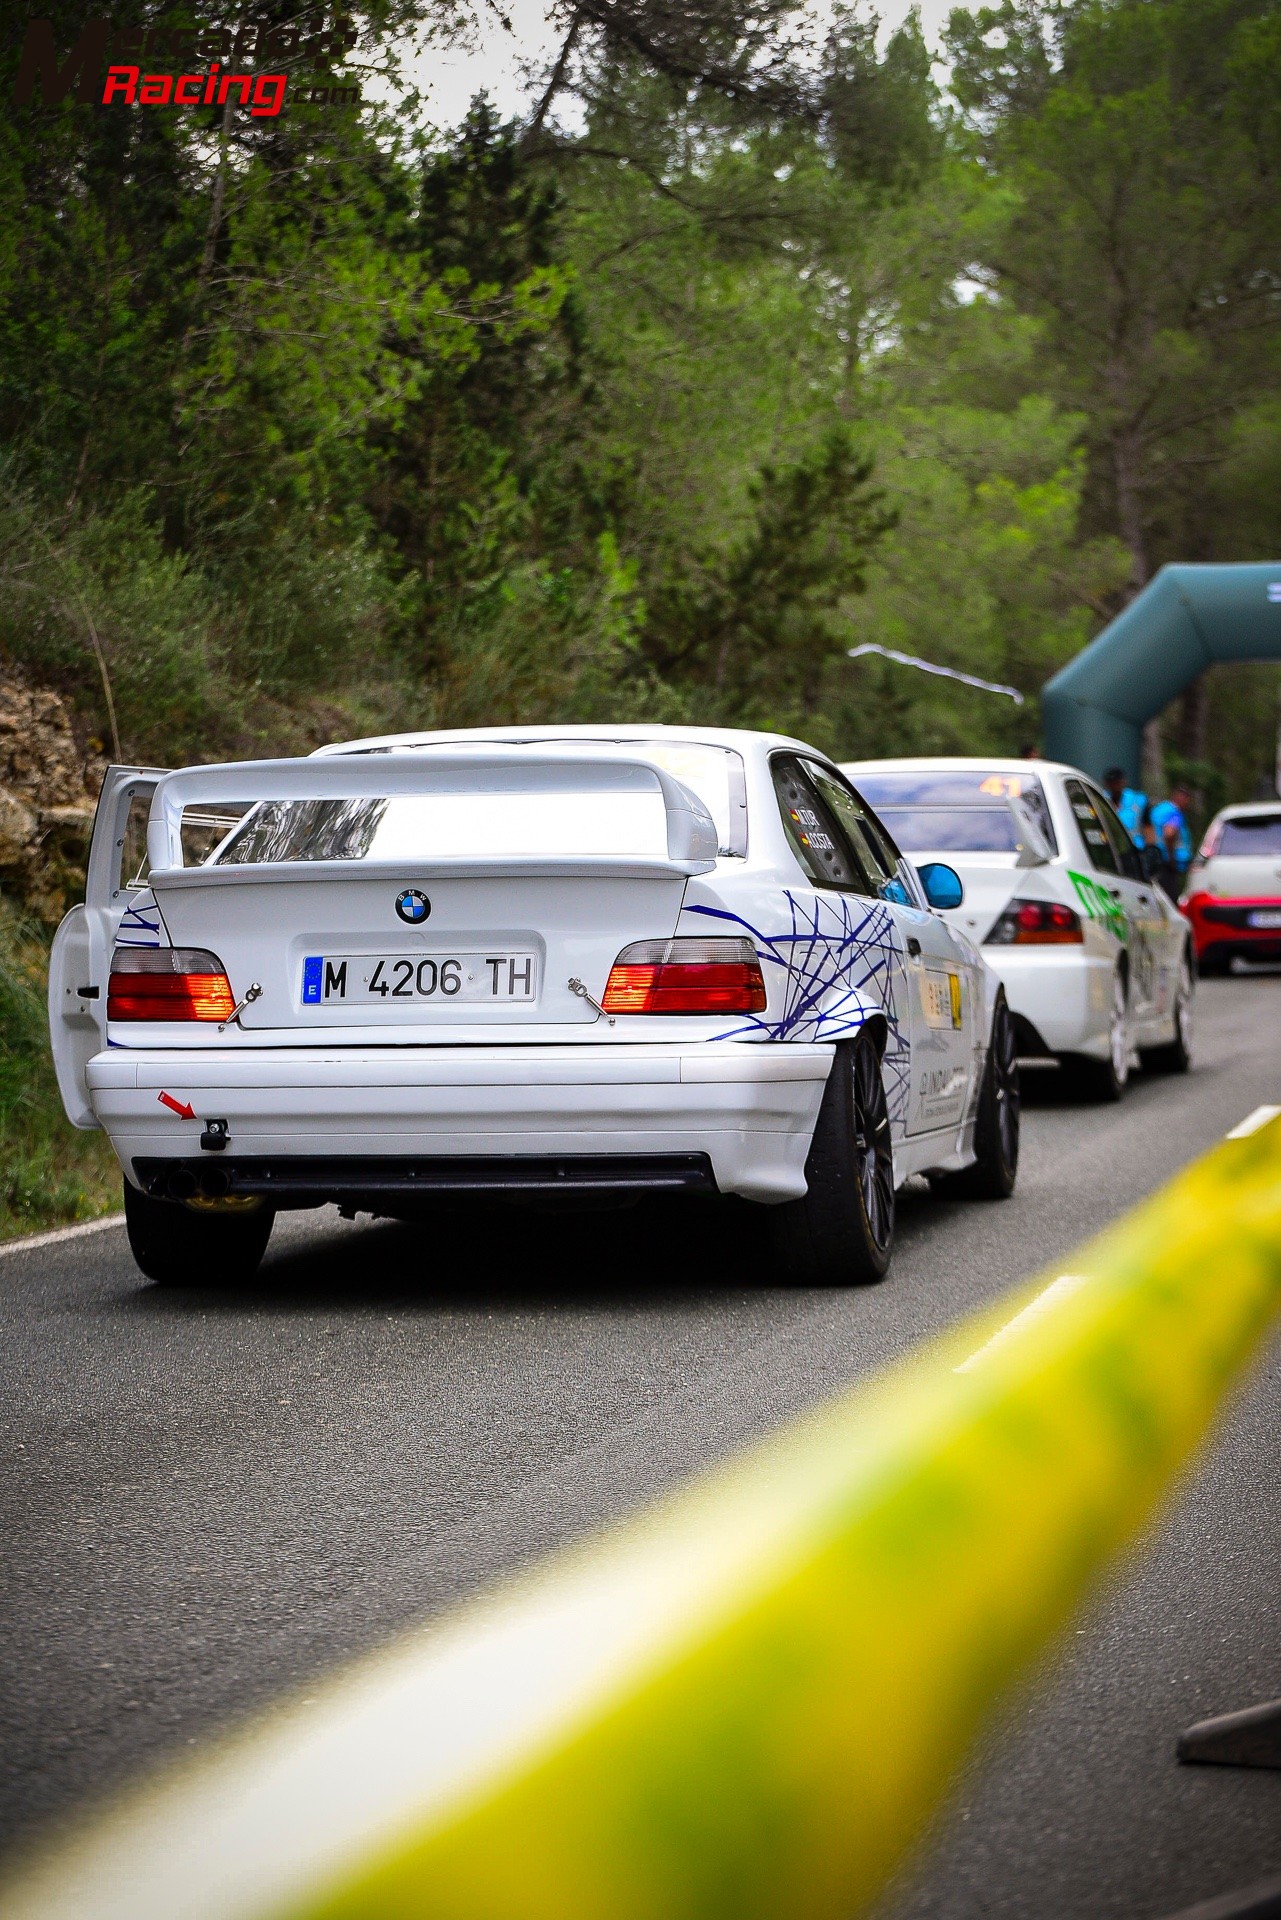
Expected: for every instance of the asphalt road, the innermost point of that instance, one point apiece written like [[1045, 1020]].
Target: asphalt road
[[209, 1498]]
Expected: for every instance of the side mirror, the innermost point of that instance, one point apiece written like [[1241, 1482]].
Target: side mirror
[[1149, 859], [942, 885]]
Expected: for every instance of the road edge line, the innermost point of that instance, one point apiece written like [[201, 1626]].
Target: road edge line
[[29, 1242]]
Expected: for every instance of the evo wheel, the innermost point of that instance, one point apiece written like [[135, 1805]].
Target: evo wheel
[[996, 1127], [1176, 1055], [1106, 1080]]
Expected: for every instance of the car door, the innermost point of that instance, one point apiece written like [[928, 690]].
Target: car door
[[1111, 898], [941, 995], [118, 908], [1158, 938]]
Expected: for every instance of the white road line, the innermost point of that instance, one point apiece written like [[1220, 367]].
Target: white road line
[[1069, 1282], [61, 1233], [1056, 1291]]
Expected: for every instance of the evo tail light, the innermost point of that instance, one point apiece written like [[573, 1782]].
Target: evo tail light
[[1036, 923], [686, 976], [168, 983]]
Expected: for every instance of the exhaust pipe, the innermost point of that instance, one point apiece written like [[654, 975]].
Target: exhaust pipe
[[215, 1183], [182, 1183]]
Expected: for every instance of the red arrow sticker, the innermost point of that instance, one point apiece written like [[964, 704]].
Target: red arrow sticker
[[183, 1111]]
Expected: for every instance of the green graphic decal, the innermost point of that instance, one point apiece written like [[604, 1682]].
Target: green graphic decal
[[1098, 903]]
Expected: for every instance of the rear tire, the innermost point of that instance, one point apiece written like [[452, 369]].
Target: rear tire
[[1106, 1080], [178, 1248], [1176, 1055], [1213, 965], [841, 1234], [996, 1128]]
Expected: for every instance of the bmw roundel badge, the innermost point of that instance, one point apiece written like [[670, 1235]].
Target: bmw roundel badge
[[413, 906]]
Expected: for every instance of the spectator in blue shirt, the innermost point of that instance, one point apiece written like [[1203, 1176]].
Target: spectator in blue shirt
[[1169, 817], [1130, 804]]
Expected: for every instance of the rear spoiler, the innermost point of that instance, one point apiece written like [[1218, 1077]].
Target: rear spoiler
[[692, 838]]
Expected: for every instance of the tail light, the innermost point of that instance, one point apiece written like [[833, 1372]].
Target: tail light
[[1036, 923], [686, 976], [168, 983]]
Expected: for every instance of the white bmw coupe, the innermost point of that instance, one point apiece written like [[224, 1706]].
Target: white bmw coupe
[[524, 962]]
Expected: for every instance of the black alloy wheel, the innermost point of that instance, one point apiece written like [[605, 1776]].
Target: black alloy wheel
[[842, 1232], [1106, 1080], [873, 1155], [1175, 1056]]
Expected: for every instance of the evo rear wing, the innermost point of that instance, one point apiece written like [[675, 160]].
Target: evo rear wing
[[692, 838]]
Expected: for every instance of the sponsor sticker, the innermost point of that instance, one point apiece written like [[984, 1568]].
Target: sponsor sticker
[[1097, 904], [941, 998]]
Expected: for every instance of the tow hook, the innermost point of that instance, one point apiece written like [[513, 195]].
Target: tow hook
[[215, 1136]]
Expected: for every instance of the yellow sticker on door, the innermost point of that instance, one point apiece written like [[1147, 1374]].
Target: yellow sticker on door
[[941, 998]]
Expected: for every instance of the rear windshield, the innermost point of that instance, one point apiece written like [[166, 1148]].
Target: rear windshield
[[429, 825], [953, 829], [1258, 834], [930, 794]]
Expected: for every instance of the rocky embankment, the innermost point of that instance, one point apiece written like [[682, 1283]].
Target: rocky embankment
[[49, 781]]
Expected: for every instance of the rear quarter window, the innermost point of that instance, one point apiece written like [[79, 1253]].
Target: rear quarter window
[[876, 852], [818, 842], [1098, 847]]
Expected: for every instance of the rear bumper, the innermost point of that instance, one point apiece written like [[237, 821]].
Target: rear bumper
[[1063, 993], [350, 1121], [1222, 928], [372, 1182]]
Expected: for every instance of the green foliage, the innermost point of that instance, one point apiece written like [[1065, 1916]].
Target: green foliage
[[1139, 144], [50, 1173], [188, 661], [751, 623], [314, 418], [983, 574]]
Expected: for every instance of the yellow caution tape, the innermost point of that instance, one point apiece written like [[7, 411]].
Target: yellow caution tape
[[745, 1704]]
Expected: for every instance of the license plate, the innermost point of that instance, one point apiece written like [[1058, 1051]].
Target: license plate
[[390, 979], [1266, 917]]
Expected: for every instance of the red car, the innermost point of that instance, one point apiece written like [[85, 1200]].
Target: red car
[[1233, 891]]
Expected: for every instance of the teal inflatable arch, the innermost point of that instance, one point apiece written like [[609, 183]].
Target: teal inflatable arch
[[1186, 619]]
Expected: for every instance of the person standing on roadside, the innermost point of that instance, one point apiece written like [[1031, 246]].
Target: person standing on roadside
[[1174, 837], [1131, 805]]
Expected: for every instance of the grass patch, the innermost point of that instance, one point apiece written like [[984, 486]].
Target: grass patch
[[50, 1172]]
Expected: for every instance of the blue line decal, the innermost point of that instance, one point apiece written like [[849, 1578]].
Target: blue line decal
[[837, 954]]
